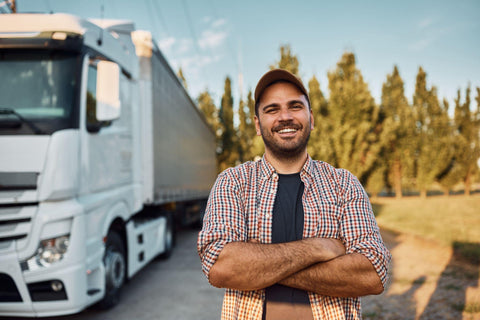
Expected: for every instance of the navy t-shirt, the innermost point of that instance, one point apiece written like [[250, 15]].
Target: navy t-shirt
[[287, 225]]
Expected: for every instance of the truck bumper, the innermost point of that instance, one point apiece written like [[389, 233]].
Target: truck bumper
[[58, 289], [36, 296]]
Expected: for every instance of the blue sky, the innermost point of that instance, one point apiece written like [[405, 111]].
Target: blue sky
[[211, 39]]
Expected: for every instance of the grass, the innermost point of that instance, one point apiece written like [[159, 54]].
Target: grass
[[453, 220]]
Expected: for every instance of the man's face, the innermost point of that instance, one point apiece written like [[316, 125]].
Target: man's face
[[284, 120]]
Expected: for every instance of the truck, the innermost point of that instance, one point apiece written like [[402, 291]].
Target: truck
[[102, 154]]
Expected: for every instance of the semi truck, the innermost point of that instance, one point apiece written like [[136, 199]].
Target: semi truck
[[102, 154]]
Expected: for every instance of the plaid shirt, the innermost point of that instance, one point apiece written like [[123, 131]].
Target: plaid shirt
[[335, 206]]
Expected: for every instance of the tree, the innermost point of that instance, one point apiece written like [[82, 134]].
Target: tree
[[207, 106], [257, 147], [321, 144], [288, 61], [356, 127], [467, 124], [182, 78], [246, 130], [228, 156], [398, 154], [432, 132]]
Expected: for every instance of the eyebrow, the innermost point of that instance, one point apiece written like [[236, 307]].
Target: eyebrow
[[290, 103]]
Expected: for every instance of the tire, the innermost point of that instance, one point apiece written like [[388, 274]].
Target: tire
[[115, 270], [169, 237]]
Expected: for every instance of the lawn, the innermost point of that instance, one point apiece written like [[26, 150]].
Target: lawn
[[453, 220]]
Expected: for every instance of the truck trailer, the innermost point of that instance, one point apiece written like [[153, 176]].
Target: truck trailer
[[102, 154]]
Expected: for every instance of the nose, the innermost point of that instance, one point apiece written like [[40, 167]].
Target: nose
[[285, 114]]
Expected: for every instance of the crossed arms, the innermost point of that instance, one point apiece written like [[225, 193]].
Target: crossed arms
[[319, 263], [315, 264]]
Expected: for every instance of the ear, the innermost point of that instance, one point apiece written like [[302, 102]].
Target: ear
[[257, 126]]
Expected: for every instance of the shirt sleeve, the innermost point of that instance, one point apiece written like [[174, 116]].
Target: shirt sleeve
[[224, 220], [359, 228]]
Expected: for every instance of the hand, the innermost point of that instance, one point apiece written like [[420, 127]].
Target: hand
[[328, 248]]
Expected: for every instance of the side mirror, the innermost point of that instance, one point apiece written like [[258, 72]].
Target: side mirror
[[108, 91]]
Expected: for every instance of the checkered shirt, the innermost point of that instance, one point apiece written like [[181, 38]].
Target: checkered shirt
[[335, 206]]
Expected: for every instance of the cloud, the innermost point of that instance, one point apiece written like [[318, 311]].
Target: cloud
[[421, 44], [219, 23], [212, 38], [426, 22], [166, 44]]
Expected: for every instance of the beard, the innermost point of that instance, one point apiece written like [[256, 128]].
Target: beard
[[286, 149]]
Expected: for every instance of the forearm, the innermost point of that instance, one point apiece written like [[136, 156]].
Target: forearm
[[350, 275], [252, 266]]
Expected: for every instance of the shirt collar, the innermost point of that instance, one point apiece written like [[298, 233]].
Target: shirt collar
[[268, 170]]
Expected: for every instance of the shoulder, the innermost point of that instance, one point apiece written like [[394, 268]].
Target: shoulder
[[327, 171], [240, 174], [339, 179]]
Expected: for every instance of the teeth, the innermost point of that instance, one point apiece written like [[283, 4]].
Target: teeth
[[286, 130]]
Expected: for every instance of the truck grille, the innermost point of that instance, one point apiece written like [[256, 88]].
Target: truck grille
[[15, 222]]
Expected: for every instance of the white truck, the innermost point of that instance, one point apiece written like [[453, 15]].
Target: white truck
[[101, 152]]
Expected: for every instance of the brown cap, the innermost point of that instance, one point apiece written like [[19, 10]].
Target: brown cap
[[278, 75]]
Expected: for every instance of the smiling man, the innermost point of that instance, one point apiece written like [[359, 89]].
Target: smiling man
[[287, 236]]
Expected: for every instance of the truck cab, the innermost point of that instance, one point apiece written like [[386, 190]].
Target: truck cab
[[78, 212]]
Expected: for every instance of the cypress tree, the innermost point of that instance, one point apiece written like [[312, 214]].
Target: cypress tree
[[182, 78], [320, 145], [288, 60], [207, 106], [246, 129], [467, 123], [355, 120], [398, 155], [431, 135], [257, 147], [228, 143]]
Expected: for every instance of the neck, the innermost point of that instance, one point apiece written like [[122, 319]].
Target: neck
[[287, 165]]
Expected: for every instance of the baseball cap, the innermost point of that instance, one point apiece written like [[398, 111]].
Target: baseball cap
[[278, 75]]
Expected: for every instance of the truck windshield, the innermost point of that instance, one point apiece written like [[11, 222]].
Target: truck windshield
[[38, 90]]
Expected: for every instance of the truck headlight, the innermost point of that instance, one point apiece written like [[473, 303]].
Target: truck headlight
[[49, 251]]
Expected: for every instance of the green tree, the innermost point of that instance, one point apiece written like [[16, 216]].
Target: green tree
[[432, 134], [321, 143], [182, 78], [288, 60], [246, 129], [207, 106], [257, 147], [398, 155], [356, 126], [228, 156], [467, 124]]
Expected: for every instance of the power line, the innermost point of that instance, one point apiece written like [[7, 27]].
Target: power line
[[189, 23], [160, 15]]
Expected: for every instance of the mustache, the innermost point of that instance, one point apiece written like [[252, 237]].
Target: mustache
[[289, 125]]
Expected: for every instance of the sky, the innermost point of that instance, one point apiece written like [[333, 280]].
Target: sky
[[213, 39]]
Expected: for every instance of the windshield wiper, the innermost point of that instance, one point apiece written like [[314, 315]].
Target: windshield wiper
[[31, 125]]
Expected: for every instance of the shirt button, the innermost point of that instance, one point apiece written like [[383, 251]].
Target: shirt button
[[267, 215], [274, 175], [272, 191]]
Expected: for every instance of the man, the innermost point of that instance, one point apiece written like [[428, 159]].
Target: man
[[287, 236]]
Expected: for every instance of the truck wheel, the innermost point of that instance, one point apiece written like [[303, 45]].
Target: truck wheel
[[169, 236], [115, 270]]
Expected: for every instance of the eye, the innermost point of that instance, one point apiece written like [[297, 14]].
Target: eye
[[270, 110]]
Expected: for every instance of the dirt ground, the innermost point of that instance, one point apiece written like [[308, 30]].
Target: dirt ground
[[427, 281]]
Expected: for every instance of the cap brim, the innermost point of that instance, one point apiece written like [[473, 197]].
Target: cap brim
[[274, 76]]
